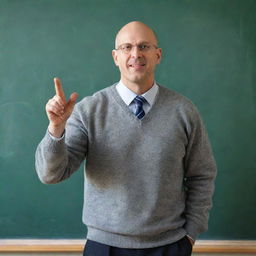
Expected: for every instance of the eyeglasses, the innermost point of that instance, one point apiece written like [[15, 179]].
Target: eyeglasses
[[127, 48]]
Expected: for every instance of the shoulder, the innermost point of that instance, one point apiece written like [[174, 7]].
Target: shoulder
[[182, 107], [176, 100]]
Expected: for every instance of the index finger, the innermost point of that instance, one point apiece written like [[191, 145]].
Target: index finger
[[58, 88]]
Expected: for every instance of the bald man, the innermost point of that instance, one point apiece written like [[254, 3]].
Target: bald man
[[149, 166]]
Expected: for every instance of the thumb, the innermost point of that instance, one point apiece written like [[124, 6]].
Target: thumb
[[73, 97], [72, 100]]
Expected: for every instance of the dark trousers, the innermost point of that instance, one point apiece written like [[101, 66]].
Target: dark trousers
[[180, 248]]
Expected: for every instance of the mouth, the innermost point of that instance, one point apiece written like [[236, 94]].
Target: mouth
[[137, 65]]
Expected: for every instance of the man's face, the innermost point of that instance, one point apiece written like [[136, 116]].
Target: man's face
[[136, 65]]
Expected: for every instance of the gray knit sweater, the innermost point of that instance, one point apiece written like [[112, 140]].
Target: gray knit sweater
[[148, 182]]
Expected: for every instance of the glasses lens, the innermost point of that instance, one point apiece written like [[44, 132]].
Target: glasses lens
[[127, 48]]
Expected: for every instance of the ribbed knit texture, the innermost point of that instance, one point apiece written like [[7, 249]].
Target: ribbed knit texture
[[148, 182]]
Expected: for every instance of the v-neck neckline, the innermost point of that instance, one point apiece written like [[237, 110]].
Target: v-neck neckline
[[128, 112]]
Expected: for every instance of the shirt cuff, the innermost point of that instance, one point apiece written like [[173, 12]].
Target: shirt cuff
[[56, 139]]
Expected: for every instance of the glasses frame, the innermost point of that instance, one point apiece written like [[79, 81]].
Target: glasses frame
[[136, 45]]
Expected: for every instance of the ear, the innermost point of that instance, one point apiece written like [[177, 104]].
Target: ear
[[115, 57], [158, 55]]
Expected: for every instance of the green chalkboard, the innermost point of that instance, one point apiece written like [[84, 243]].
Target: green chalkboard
[[209, 49]]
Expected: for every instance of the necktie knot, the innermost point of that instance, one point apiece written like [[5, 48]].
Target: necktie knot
[[139, 101]]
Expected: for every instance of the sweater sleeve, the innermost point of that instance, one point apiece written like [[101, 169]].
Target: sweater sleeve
[[200, 173], [56, 160]]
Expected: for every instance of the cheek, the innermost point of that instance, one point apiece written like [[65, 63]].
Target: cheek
[[123, 65], [153, 61], [120, 61]]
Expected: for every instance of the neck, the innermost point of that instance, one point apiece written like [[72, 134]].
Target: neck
[[138, 88]]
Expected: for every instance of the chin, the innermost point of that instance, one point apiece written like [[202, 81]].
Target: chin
[[137, 79]]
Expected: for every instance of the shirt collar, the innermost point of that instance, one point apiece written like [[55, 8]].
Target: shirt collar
[[128, 95]]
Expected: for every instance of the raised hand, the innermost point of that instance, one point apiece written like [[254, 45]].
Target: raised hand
[[59, 110]]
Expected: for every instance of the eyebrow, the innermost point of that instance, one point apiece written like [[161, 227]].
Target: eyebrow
[[142, 42], [145, 42]]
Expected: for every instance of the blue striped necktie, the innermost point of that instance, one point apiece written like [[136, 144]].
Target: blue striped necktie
[[139, 112]]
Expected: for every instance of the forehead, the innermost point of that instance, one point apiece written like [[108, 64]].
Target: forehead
[[135, 34]]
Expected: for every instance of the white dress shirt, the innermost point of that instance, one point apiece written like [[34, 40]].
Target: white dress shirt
[[128, 96]]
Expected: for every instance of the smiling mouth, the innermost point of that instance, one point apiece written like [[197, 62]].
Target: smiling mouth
[[137, 65]]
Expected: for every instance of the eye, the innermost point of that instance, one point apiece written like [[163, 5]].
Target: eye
[[143, 47], [126, 47]]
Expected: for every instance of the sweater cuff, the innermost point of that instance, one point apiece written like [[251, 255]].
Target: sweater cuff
[[192, 230], [54, 138], [53, 144]]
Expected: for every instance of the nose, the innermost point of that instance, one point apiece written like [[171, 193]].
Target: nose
[[135, 52]]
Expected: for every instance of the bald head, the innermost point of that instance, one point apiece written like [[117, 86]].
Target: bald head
[[134, 30], [136, 54]]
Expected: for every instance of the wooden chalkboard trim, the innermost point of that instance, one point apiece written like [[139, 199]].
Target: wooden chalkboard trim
[[41, 245], [77, 245]]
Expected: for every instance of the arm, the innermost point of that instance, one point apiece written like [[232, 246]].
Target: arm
[[57, 159], [200, 173]]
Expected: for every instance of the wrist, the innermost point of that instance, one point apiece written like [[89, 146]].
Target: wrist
[[56, 130]]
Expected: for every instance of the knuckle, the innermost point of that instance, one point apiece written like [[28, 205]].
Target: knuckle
[[50, 101], [56, 97], [47, 105], [58, 100]]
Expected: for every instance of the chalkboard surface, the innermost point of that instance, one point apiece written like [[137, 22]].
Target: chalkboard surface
[[209, 49]]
